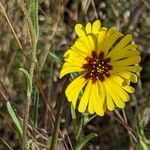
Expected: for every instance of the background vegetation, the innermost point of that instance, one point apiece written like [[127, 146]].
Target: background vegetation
[[49, 32]]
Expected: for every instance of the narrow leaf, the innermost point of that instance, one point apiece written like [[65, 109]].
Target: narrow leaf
[[28, 79], [35, 107], [143, 142], [85, 141], [34, 14], [15, 119], [55, 57], [54, 139]]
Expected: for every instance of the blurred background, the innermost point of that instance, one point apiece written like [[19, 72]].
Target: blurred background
[[119, 130]]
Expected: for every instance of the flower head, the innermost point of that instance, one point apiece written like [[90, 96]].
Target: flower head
[[106, 62]]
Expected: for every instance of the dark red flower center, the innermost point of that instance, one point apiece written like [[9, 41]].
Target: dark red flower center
[[97, 67]]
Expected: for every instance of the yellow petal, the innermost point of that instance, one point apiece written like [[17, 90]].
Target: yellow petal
[[111, 40], [115, 97], [91, 42], [101, 37], [92, 97], [124, 54], [128, 61], [91, 109], [99, 104], [74, 89], [129, 89], [72, 51], [107, 39], [86, 44], [130, 47], [98, 100], [119, 90], [68, 68], [96, 26], [88, 28], [121, 82], [129, 76], [74, 57], [125, 40], [109, 102], [127, 68], [91, 106], [79, 28], [85, 97]]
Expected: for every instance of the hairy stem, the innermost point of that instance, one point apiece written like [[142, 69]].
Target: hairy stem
[[31, 70]]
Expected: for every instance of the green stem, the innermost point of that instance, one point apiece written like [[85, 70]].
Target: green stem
[[58, 117], [31, 71], [78, 135], [56, 127]]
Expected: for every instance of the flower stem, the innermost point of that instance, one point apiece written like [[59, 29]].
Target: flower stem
[[78, 135], [56, 131]]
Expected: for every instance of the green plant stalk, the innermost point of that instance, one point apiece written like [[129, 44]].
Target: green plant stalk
[[56, 131], [31, 71], [56, 126], [35, 107], [34, 14], [85, 141], [78, 134], [74, 120]]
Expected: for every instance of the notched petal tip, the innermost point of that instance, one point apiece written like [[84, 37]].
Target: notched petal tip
[[79, 28], [66, 54], [129, 89], [129, 37], [121, 106], [111, 109], [133, 78], [100, 114], [97, 22], [96, 27], [62, 74], [139, 68], [88, 28]]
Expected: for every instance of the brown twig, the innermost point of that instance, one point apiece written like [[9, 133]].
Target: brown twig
[[6, 144], [12, 29]]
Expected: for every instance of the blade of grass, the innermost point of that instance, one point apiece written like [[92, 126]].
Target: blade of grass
[[56, 127], [55, 57], [56, 131], [35, 107]]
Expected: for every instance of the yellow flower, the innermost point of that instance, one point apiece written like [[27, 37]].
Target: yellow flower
[[106, 62]]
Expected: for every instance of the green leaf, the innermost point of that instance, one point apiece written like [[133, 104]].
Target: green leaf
[[73, 113], [34, 14], [28, 80], [143, 144], [15, 119], [35, 107], [85, 141], [55, 57], [87, 119]]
